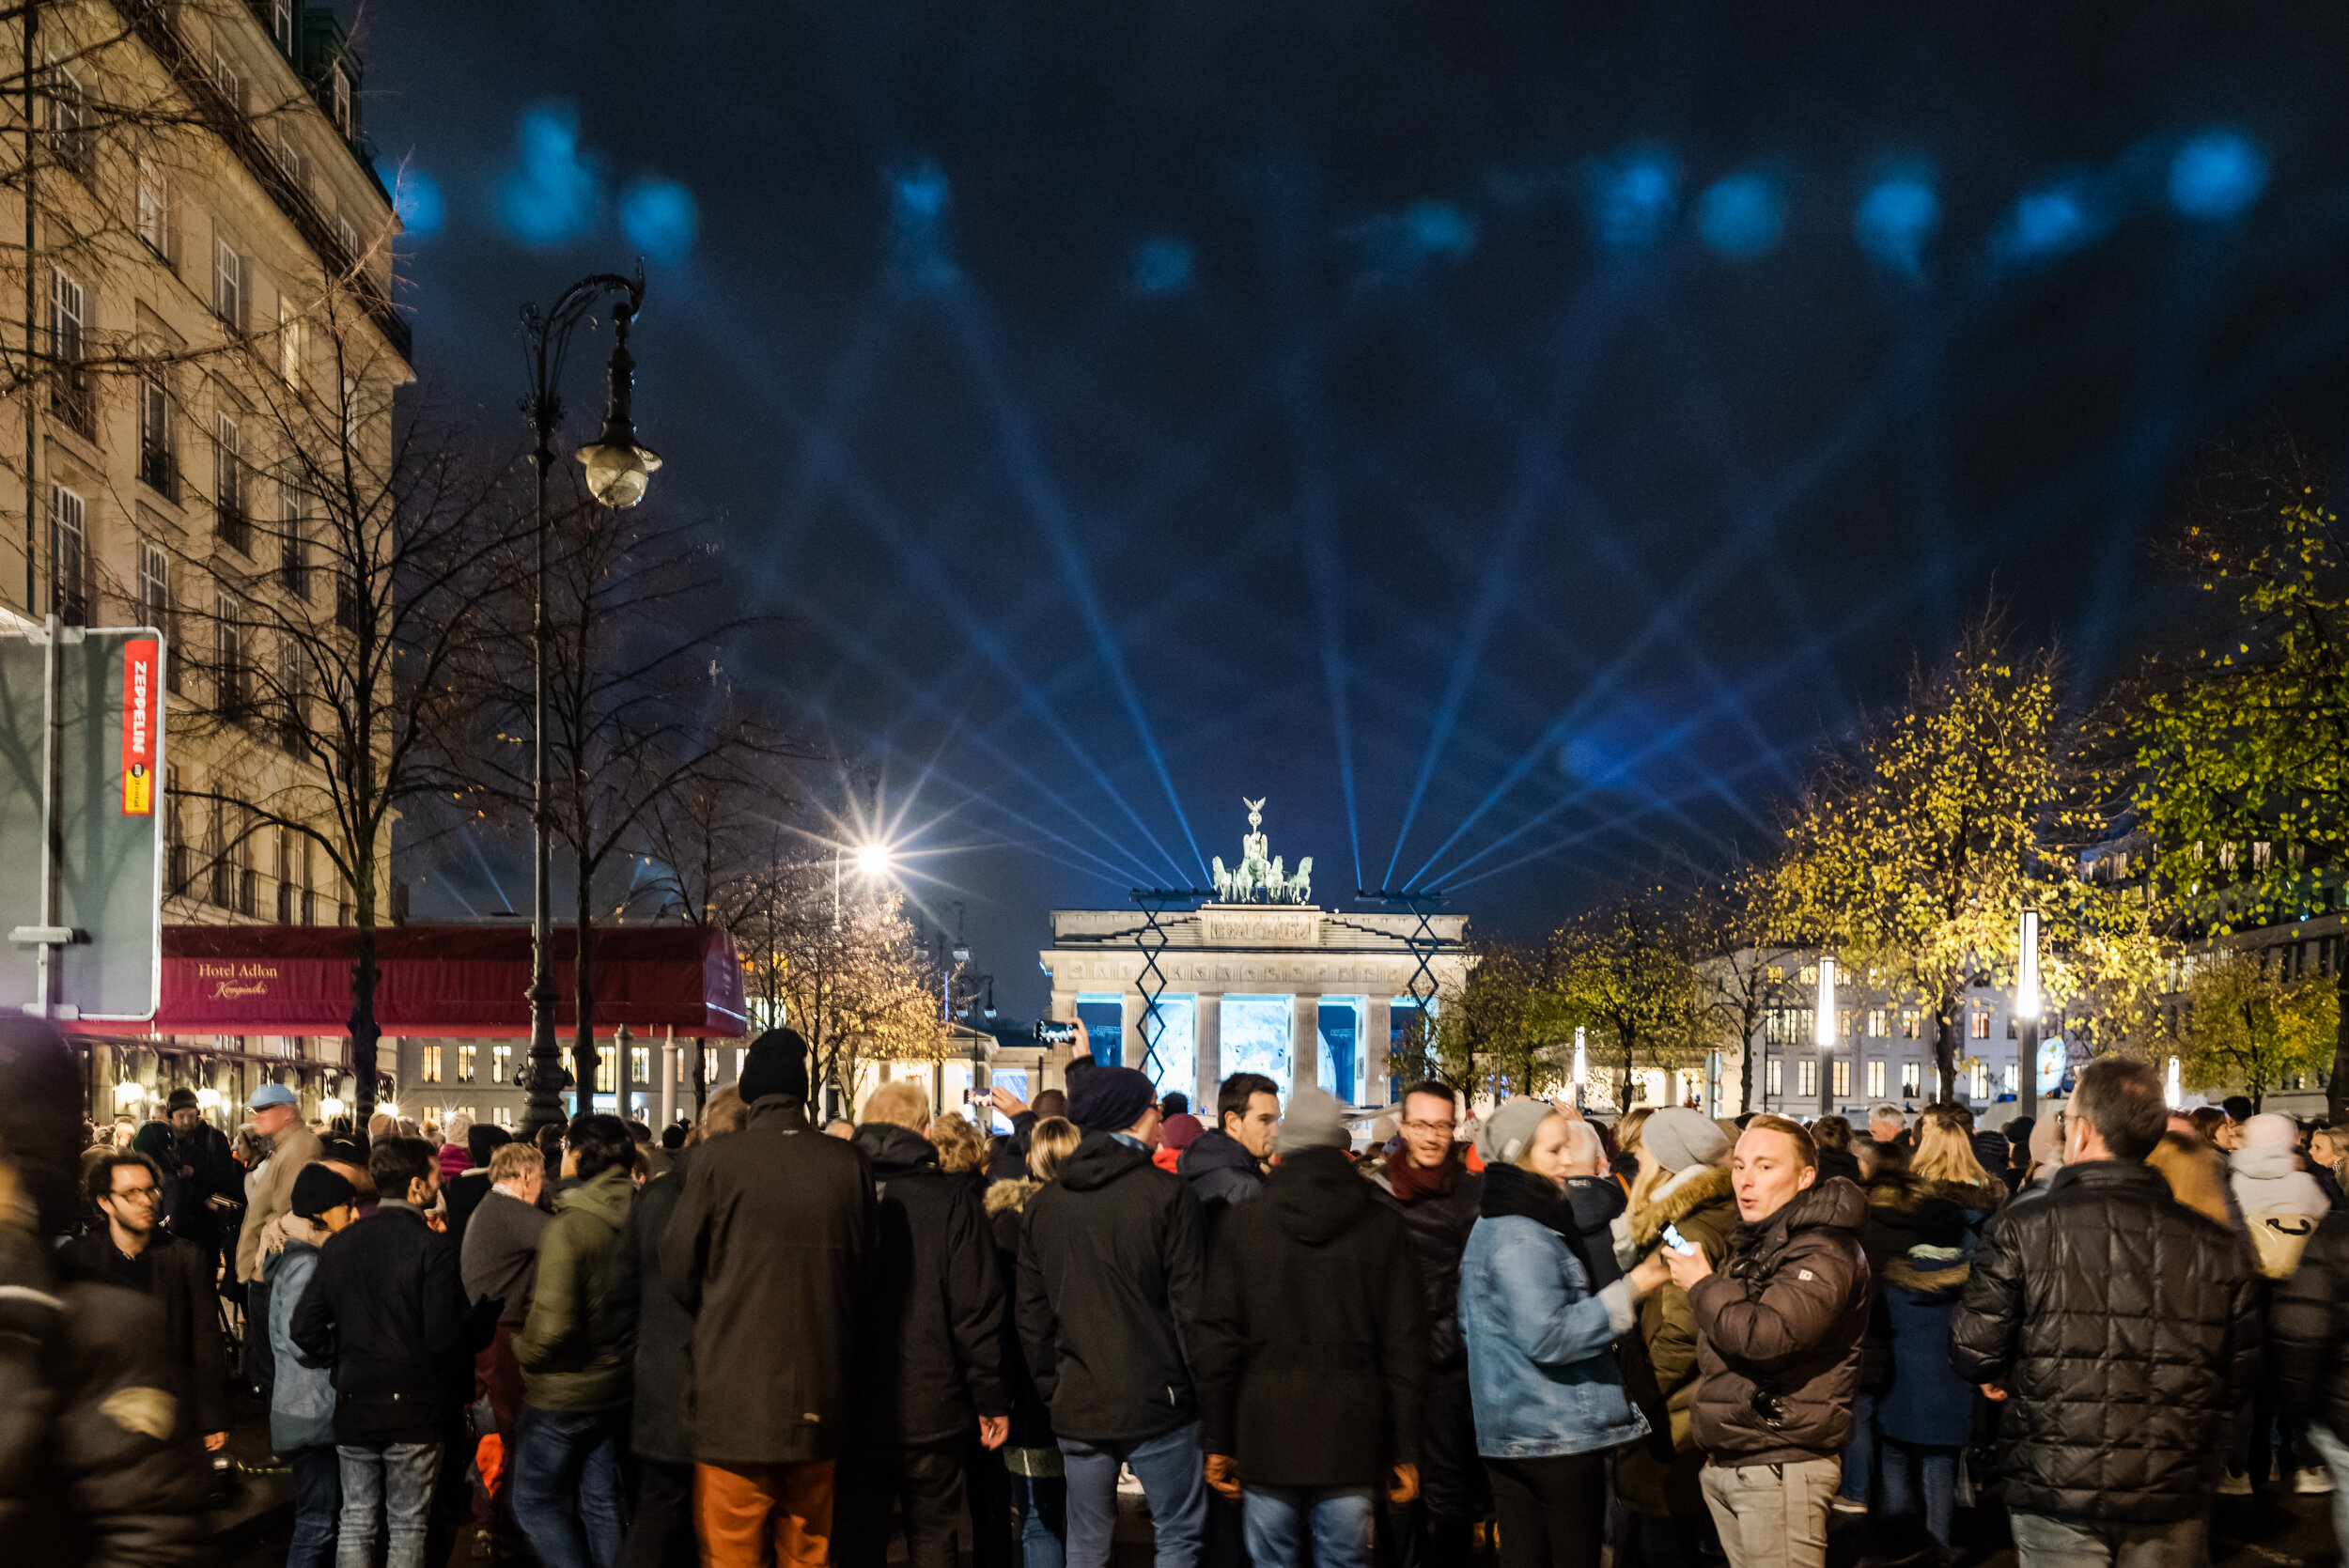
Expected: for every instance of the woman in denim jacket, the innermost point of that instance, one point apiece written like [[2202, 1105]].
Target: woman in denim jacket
[[1549, 1400]]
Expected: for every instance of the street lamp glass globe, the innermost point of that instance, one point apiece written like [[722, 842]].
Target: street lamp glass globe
[[873, 860], [330, 1106], [618, 472]]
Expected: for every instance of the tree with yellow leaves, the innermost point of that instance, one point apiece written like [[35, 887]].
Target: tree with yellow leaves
[[2245, 1027]]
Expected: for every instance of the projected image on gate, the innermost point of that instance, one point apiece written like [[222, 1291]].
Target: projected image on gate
[[1256, 1039]]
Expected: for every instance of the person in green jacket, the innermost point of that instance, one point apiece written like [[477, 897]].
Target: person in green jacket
[[575, 1385]]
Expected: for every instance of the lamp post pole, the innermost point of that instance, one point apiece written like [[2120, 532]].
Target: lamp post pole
[[618, 469], [1824, 1033], [2026, 1018]]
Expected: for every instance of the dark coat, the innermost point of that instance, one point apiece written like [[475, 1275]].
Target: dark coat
[[1437, 1226], [1839, 1162], [1927, 1405], [385, 1308], [1110, 1271], [1008, 1160], [1222, 1172], [1597, 1202], [91, 1473], [2310, 1326], [196, 1168], [460, 1195], [2126, 1328], [1312, 1349], [931, 1355], [1906, 1211], [1783, 1320], [1006, 1203], [767, 1250], [181, 1278], [643, 1315]]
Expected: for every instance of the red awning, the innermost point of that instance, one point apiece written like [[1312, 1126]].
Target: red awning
[[464, 980]]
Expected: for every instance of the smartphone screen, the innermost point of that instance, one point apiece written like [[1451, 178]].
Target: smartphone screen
[[1678, 1243]]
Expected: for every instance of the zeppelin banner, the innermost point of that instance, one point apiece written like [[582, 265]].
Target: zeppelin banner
[[141, 667]]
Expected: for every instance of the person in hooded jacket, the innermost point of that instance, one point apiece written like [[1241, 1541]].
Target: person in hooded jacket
[[640, 1314], [1226, 1164], [1425, 1174], [575, 1385], [1923, 1227], [775, 1224], [929, 1375], [1779, 1330], [2308, 1352], [302, 1401], [1039, 1489], [1548, 1395], [2107, 1307], [1311, 1352], [91, 1475], [2279, 1203], [1110, 1268], [1684, 1186]]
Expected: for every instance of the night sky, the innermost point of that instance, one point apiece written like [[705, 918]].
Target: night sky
[[1510, 437]]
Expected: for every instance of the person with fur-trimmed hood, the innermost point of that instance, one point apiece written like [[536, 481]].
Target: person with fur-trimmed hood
[[1684, 1184], [1039, 1489], [1923, 1227]]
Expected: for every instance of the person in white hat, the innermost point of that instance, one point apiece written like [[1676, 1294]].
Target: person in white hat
[[276, 1116]]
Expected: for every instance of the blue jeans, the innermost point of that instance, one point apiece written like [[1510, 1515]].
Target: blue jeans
[[1935, 1472], [1043, 1505], [317, 1484], [398, 1478], [1168, 1467], [560, 1454], [1339, 1516], [2336, 1456], [1860, 1454], [2041, 1541]]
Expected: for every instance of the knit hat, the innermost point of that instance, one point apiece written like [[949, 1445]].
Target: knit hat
[[2270, 1130], [776, 1063], [181, 1100], [1509, 1131], [1111, 1099], [317, 1188], [1677, 1138], [1315, 1121], [1181, 1131]]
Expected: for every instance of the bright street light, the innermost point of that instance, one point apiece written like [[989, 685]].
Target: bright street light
[[129, 1092], [873, 860]]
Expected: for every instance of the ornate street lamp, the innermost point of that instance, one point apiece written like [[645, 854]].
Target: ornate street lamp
[[618, 470]]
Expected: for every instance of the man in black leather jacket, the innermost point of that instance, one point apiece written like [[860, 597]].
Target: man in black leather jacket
[[2120, 1329]]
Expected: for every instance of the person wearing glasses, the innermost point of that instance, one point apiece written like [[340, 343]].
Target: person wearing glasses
[[132, 1248]]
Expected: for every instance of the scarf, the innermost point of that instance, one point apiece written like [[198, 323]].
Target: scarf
[[1410, 1183]]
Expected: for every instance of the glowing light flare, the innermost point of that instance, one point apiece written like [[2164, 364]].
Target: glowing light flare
[[332, 1106], [1897, 219], [551, 198], [129, 1092], [1631, 199], [873, 860], [2218, 174], [1824, 1033], [660, 218], [1582, 1065], [2174, 1095], [208, 1099], [2027, 1002], [1742, 215]]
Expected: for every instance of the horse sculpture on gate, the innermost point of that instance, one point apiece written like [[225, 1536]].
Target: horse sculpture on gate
[[1259, 877]]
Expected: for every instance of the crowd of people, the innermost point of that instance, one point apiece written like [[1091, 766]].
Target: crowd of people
[[1529, 1333]]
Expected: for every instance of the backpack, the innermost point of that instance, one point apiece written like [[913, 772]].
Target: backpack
[[2278, 1240]]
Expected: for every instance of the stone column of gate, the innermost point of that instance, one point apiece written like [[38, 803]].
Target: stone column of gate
[[1051, 1064], [1378, 1032], [1129, 1015], [668, 1077], [1207, 1039], [1305, 1043]]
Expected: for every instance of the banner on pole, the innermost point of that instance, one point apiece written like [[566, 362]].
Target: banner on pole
[[140, 659]]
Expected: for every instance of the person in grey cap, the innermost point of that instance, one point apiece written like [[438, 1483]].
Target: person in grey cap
[[1110, 1267], [1315, 1275], [276, 1116]]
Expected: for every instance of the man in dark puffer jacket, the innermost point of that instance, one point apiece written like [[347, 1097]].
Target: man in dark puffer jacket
[[2120, 1329]]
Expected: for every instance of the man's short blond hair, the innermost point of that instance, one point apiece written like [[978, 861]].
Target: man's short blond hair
[[511, 1162], [901, 1103], [723, 1112]]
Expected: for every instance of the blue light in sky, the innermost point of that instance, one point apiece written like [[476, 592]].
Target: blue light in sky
[[1742, 215], [417, 201], [660, 218], [2216, 175], [2053, 220], [917, 201], [1161, 266], [1631, 199], [551, 198], [1897, 219], [1438, 228]]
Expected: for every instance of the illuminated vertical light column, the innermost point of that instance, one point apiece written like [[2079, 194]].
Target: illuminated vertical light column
[[2176, 1094], [2027, 1016], [1822, 1033], [1581, 1067]]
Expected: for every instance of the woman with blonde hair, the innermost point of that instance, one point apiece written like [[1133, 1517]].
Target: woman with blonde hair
[[1629, 1130], [1039, 1486]]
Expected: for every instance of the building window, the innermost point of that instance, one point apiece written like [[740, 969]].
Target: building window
[[501, 1063], [505, 1116], [155, 604], [228, 285], [154, 208], [430, 1067], [2009, 1026], [69, 392], [1981, 1022], [1806, 1078], [1878, 1027], [349, 612], [1876, 1081], [69, 120], [281, 16], [1978, 1084], [603, 1073], [349, 237], [1773, 1077], [216, 855], [232, 84], [293, 718], [639, 1063], [289, 342], [681, 1064], [69, 544], [1843, 1077], [2013, 1079], [293, 544], [233, 688], [341, 85], [1909, 1023], [1912, 1077], [464, 1063], [159, 461], [177, 872], [288, 160], [233, 523]]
